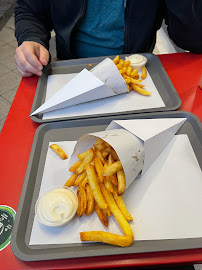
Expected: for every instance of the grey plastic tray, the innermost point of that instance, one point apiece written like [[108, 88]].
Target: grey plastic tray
[[72, 130], [154, 66]]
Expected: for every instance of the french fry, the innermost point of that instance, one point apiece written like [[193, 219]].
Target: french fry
[[70, 182], [119, 66], [81, 156], [144, 73], [90, 200], [107, 145], [133, 81], [121, 205], [108, 238], [128, 81], [108, 184], [79, 208], [103, 218], [80, 179], [134, 73], [122, 62], [140, 90], [99, 169], [116, 60], [113, 168], [100, 156], [92, 163], [104, 154], [99, 141], [114, 154], [108, 212], [84, 182], [100, 146], [116, 212], [113, 176], [58, 150], [122, 71], [89, 157], [130, 87], [127, 63], [81, 193], [92, 179], [121, 182], [75, 166], [129, 71]]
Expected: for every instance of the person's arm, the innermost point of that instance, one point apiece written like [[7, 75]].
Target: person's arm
[[184, 20], [32, 29]]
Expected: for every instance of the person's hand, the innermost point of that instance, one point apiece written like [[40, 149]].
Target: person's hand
[[30, 58]]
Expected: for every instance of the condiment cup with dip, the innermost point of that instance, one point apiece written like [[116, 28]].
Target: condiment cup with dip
[[56, 207], [137, 61]]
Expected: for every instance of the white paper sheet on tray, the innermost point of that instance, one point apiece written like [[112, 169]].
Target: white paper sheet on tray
[[120, 103], [165, 202]]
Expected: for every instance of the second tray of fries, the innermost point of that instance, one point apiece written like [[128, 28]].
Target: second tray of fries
[[156, 70]]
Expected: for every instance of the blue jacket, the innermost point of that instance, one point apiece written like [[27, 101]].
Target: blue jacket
[[34, 19]]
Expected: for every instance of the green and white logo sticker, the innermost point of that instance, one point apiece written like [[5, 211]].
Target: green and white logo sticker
[[7, 217]]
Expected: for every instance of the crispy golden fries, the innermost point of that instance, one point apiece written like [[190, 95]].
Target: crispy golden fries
[[99, 169], [131, 76], [80, 179], [116, 212], [83, 155], [106, 237], [89, 157], [121, 182], [121, 205], [59, 151], [82, 200], [75, 166], [113, 168], [84, 182], [100, 179], [116, 60], [140, 90], [90, 200], [102, 216], [70, 182], [144, 73], [92, 179], [100, 156], [113, 176]]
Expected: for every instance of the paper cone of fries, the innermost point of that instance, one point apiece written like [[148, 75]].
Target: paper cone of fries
[[103, 81], [137, 143]]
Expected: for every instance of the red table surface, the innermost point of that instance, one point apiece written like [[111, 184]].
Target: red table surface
[[16, 139]]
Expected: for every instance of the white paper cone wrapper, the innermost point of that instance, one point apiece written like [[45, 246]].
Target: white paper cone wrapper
[[103, 81], [108, 73], [127, 146]]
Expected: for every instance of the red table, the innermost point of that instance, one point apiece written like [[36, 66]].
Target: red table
[[16, 138]]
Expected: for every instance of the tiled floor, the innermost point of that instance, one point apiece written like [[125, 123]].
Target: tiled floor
[[9, 76]]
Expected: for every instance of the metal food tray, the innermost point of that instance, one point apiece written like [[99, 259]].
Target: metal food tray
[[72, 130], [156, 70]]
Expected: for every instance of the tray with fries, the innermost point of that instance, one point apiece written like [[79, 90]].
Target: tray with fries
[[147, 203], [118, 88]]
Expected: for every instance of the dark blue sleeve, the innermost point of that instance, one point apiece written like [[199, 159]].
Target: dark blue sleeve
[[184, 20], [33, 21]]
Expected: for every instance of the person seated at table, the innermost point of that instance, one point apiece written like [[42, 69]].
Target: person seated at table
[[100, 28]]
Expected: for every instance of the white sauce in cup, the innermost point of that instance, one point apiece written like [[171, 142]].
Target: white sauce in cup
[[137, 61], [57, 207]]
